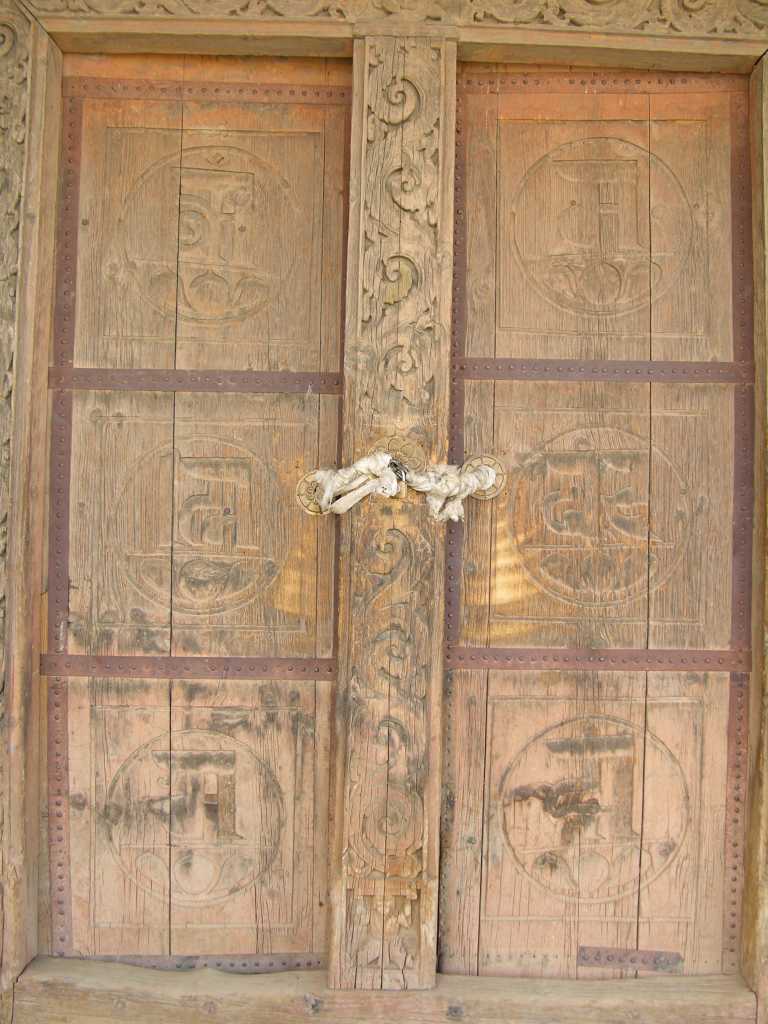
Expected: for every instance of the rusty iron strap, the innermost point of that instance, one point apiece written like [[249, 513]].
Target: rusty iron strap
[[605, 659], [639, 959], [227, 382], [137, 667]]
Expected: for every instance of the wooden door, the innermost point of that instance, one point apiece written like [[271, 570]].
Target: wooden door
[[195, 378], [597, 613], [595, 739]]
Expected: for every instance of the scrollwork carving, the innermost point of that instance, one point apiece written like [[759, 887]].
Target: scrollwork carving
[[397, 373], [729, 18], [735, 18]]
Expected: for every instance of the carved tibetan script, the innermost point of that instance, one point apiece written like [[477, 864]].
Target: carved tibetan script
[[192, 609], [595, 749]]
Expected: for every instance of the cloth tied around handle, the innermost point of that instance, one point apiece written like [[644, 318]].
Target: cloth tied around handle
[[445, 487]]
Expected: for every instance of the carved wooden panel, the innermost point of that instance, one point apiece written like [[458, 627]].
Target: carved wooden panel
[[183, 521], [599, 224], [384, 889], [599, 624], [198, 821], [211, 233], [615, 527], [601, 823], [196, 378]]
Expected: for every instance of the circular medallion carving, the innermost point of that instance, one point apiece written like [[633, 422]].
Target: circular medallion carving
[[391, 817], [228, 234], [580, 516], [571, 807], [581, 231], [222, 523], [204, 800]]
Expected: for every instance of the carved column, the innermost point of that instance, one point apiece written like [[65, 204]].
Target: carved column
[[384, 884], [18, 801]]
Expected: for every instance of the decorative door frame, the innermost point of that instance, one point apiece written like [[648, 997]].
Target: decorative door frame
[[428, 35]]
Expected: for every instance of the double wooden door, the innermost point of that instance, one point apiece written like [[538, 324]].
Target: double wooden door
[[594, 717]]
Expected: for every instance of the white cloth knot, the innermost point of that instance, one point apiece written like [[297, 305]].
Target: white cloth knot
[[446, 487]]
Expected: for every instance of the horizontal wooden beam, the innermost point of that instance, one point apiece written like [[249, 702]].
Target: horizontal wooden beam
[[242, 37], [505, 43], [333, 38], [56, 991]]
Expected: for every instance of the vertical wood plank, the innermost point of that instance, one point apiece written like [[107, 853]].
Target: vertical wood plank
[[461, 854], [385, 858], [682, 868], [23, 866], [754, 938], [563, 810], [119, 798], [242, 771]]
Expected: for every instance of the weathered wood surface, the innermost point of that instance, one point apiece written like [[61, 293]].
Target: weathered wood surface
[[754, 954], [636, 861], [711, 17], [67, 992], [602, 223], [210, 239], [29, 129], [384, 889], [193, 816]]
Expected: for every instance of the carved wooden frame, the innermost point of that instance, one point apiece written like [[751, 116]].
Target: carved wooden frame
[[716, 35]]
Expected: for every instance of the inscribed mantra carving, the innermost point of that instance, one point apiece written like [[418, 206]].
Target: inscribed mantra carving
[[571, 807], [205, 800], [596, 254], [580, 516], [227, 234], [221, 553]]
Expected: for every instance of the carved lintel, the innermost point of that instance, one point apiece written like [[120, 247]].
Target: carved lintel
[[730, 19], [396, 382]]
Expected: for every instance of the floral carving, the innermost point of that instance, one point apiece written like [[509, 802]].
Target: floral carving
[[733, 18], [693, 17], [398, 383]]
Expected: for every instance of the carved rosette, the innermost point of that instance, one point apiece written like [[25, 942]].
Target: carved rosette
[[397, 364]]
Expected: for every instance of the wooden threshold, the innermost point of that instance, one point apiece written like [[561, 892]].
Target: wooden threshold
[[57, 991]]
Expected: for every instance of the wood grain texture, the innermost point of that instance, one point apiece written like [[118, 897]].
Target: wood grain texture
[[565, 760], [713, 17], [564, 445], [384, 886], [119, 795], [200, 809], [573, 226], [755, 912], [61, 992], [127, 234], [121, 523], [602, 813], [24, 858], [245, 557], [461, 835], [194, 821], [29, 96], [680, 908], [247, 829]]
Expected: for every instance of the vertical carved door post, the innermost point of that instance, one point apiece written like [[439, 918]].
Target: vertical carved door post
[[384, 873]]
